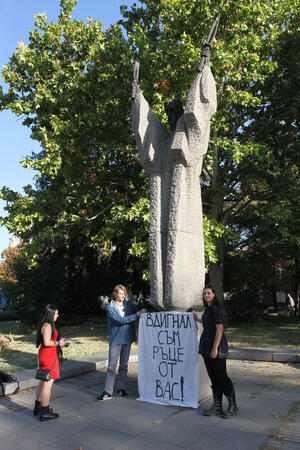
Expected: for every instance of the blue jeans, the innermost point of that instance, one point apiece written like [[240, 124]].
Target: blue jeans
[[115, 352]]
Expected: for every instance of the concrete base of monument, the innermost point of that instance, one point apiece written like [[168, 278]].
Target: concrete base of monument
[[204, 382]]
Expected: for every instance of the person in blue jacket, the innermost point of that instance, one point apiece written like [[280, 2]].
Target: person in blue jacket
[[121, 315]]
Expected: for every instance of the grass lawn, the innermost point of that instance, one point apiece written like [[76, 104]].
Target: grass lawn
[[276, 332], [91, 338]]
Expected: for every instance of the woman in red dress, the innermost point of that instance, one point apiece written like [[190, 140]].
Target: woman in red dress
[[48, 343]]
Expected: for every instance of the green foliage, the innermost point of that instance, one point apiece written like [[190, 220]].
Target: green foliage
[[168, 37], [84, 218], [62, 82], [8, 315], [271, 218], [13, 264], [213, 230], [244, 307], [85, 223]]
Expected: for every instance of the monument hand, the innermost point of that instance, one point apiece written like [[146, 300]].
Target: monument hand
[[207, 46], [136, 69], [135, 81]]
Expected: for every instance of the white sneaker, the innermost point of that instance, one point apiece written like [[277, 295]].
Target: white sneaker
[[104, 396]]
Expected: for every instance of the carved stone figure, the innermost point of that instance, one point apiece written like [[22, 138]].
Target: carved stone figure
[[174, 162]]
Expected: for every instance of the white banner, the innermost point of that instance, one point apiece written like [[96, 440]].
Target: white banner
[[168, 359]]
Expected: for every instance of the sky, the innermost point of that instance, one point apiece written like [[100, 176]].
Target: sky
[[16, 20]]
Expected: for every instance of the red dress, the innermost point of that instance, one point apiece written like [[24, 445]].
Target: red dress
[[47, 356]]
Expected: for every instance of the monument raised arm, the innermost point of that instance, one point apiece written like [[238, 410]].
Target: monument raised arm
[[174, 162]]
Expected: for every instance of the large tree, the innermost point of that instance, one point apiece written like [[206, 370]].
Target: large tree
[[71, 86], [87, 217], [167, 37], [85, 222], [270, 223]]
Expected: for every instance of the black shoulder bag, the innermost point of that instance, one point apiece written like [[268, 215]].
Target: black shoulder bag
[[44, 374]]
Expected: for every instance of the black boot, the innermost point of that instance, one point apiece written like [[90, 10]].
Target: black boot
[[47, 414], [37, 408], [232, 409], [216, 408]]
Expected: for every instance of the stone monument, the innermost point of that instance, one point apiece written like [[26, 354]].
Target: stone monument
[[174, 162]]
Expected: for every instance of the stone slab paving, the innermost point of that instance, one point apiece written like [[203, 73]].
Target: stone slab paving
[[267, 392], [287, 434], [88, 364]]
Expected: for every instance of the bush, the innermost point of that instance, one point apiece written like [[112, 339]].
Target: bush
[[8, 315], [244, 307]]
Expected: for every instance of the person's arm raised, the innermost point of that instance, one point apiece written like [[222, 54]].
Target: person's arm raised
[[148, 131]]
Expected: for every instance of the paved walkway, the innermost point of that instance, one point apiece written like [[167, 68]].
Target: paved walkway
[[268, 396]]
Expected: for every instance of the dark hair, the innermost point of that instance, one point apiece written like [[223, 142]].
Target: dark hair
[[215, 302], [47, 317]]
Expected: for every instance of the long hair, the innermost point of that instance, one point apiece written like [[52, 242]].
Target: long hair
[[216, 302], [118, 288], [47, 317]]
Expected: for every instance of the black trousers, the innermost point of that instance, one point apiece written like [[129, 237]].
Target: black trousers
[[216, 369]]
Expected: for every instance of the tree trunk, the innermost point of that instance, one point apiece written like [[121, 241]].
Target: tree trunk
[[215, 271]]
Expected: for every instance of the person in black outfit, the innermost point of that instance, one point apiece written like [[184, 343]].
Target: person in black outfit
[[214, 349]]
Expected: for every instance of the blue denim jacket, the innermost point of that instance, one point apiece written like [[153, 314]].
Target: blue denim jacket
[[121, 330]]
